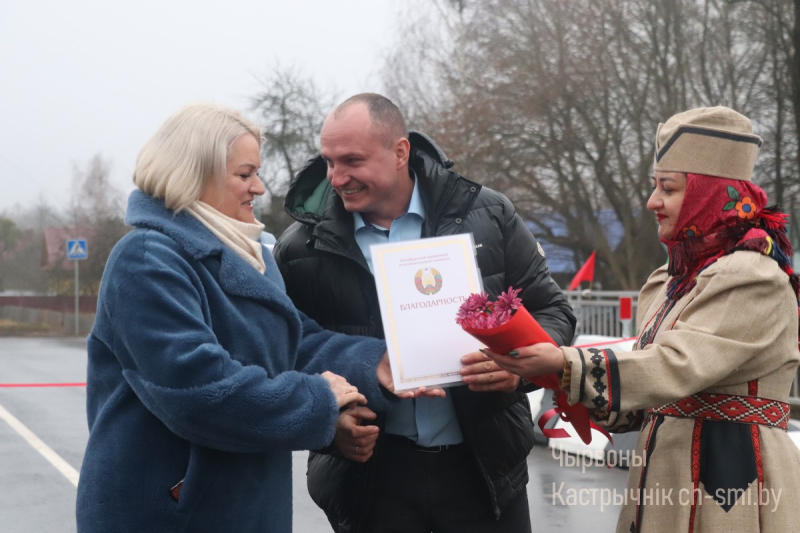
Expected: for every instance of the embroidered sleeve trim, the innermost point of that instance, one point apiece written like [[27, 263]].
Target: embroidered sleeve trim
[[597, 370], [612, 367], [582, 377], [604, 380]]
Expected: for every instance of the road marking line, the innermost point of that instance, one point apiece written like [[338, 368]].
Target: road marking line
[[42, 384], [36, 443]]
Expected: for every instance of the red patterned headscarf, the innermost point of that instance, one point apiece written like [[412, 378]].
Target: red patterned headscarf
[[719, 216]]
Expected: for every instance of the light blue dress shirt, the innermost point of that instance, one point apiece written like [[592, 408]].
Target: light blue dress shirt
[[426, 421]]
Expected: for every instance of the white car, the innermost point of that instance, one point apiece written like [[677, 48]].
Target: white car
[[794, 431]]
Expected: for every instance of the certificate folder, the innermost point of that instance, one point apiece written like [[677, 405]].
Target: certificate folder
[[421, 285]]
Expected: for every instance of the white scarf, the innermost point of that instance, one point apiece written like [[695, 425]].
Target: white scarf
[[241, 237]]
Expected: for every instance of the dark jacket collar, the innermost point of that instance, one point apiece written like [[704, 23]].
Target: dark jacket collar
[[444, 193], [309, 197]]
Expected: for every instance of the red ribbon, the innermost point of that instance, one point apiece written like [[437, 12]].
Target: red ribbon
[[523, 330], [577, 415]]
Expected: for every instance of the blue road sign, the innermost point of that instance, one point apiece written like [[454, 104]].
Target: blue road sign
[[77, 249]]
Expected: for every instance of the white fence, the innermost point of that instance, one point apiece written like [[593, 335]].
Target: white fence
[[598, 314]]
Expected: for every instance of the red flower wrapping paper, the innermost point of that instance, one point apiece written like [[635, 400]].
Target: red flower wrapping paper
[[523, 330]]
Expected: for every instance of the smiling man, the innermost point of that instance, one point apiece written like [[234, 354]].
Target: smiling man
[[366, 164], [432, 464]]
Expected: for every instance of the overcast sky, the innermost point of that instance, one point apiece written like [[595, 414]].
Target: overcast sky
[[81, 77]]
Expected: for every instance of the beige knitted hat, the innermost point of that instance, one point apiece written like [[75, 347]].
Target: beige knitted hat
[[715, 141]]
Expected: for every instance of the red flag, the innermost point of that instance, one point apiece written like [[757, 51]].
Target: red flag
[[586, 273]]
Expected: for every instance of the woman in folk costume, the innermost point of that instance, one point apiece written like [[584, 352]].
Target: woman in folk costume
[[709, 376]]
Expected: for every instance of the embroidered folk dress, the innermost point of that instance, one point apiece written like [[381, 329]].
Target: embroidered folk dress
[[729, 349]]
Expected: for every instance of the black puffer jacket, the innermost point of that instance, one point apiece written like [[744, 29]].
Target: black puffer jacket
[[328, 278]]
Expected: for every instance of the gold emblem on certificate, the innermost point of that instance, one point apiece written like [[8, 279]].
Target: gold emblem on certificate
[[428, 281]]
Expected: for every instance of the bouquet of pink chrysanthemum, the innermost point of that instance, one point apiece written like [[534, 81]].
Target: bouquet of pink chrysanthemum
[[505, 325], [479, 313], [502, 325]]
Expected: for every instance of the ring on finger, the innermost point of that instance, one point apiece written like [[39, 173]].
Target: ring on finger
[[356, 449]]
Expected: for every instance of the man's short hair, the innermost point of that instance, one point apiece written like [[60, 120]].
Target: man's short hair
[[387, 120], [188, 151]]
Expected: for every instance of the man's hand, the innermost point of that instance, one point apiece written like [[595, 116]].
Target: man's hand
[[482, 374], [385, 379], [355, 441]]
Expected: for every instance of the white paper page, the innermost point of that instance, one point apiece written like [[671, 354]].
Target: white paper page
[[421, 284]]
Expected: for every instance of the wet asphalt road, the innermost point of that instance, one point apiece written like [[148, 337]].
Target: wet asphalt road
[[36, 496]]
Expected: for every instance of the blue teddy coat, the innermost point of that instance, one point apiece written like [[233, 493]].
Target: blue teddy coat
[[201, 369]]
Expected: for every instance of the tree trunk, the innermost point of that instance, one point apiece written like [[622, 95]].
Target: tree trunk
[[795, 71]]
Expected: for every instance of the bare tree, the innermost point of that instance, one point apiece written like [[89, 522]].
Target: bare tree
[[96, 210], [558, 104], [20, 266], [770, 25], [36, 217], [9, 235], [290, 108], [795, 71]]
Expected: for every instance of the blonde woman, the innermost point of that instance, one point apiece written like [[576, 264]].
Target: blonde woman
[[202, 375]]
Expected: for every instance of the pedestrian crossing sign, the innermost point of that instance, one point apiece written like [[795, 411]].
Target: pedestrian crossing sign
[[77, 249]]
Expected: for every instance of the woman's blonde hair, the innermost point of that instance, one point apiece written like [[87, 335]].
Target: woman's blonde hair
[[188, 151]]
